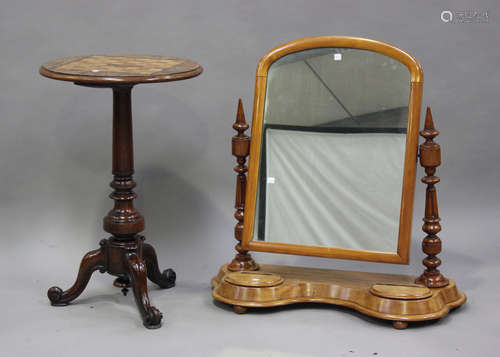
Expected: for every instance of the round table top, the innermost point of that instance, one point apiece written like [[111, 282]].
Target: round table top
[[120, 69]]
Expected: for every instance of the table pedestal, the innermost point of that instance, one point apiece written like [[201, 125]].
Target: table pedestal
[[124, 254]]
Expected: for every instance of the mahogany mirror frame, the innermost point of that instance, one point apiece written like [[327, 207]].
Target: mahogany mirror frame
[[410, 161]]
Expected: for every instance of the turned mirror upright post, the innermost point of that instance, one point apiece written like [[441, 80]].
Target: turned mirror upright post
[[241, 148], [332, 169]]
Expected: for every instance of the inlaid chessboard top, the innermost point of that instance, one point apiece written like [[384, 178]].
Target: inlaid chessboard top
[[120, 69]]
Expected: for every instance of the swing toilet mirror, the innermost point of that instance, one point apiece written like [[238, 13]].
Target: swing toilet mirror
[[334, 149], [332, 168]]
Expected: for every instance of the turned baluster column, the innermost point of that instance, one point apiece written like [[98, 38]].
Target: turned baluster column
[[430, 158], [123, 221], [241, 148]]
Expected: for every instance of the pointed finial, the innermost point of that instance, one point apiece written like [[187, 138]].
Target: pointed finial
[[240, 116], [429, 124], [240, 125], [429, 131]]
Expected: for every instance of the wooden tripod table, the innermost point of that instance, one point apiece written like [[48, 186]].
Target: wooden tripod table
[[124, 254]]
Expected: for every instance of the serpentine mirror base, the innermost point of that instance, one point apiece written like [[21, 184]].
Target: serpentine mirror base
[[385, 296]]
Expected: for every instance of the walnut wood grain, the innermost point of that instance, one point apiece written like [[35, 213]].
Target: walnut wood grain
[[120, 69], [253, 278], [344, 288], [404, 292], [430, 159]]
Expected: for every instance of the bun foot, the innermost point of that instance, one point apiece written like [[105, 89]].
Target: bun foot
[[55, 294], [240, 309], [400, 325]]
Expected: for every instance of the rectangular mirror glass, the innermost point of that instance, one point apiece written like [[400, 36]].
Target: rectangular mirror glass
[[332, 150]]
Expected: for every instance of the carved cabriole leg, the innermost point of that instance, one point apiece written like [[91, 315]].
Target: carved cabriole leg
[[164, 280], [124, 254], [430, 158], [241, 148], [92, 261], [137, 273]]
